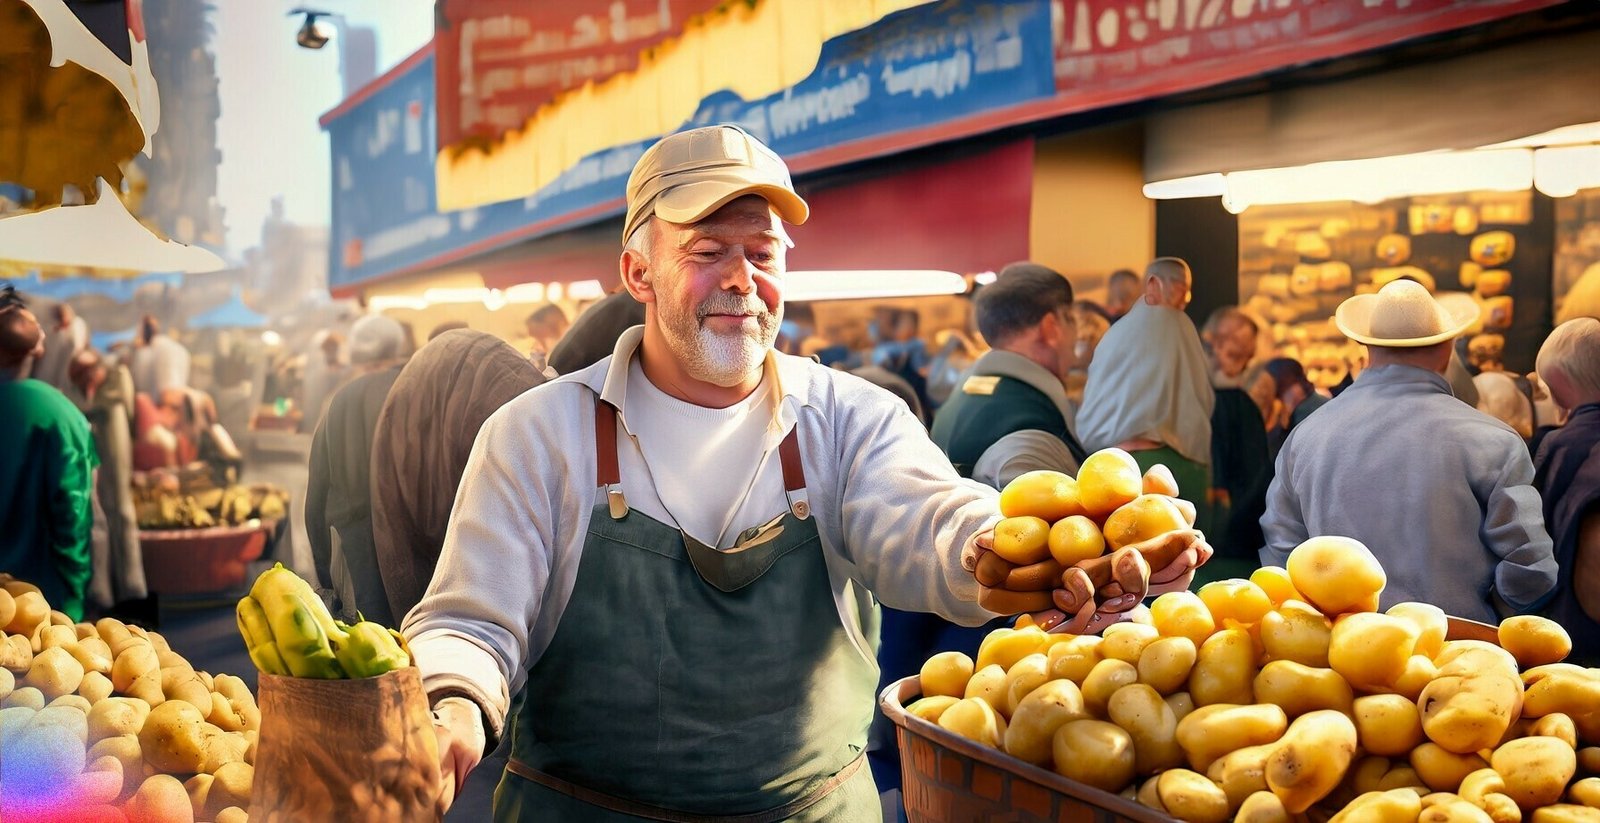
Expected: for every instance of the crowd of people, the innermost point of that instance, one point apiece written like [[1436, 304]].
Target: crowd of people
[[696, 436]]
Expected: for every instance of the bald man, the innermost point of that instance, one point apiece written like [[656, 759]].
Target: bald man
[[46, 483]]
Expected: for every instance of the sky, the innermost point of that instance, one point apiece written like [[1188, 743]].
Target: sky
[[272, 93]]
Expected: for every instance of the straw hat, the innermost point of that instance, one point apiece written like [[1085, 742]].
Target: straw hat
[[1402, 315]]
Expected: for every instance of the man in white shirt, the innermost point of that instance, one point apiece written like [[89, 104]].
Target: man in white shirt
[[159, 362], [676, 554]]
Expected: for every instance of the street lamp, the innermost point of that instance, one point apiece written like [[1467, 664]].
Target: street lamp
[[358, 45]]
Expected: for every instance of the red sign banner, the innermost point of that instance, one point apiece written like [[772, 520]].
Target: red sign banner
[[500, 60], [1123, 50]]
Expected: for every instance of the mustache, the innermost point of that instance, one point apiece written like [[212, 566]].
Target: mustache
[[726, 303]]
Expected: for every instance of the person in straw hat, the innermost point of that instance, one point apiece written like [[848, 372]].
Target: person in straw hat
[[675, 555], [1440, 492]]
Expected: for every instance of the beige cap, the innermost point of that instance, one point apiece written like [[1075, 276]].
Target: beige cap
[[688, 175], [1403, 315]]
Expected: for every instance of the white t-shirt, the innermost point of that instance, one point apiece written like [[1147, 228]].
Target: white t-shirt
[[721, 449]]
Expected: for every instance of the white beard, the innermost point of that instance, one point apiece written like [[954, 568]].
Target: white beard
[[721, 359]]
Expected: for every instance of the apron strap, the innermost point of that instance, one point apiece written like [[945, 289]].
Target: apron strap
[[794, 474], [607, 475], [648, 812]]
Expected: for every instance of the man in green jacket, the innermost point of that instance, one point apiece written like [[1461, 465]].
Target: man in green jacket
[[46, 473]]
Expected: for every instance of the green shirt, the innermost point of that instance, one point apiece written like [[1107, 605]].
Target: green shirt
[[46, 479]]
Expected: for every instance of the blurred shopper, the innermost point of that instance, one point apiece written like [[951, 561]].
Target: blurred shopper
[[1122, 292], [326, 369], [1241, 464], [596, 331], [1567, 474], [900, 350], [1440, 492], [68, 335], [1297, 399], [420, 447], [954, 353], [46, 473], [117, 560], [159, 362], [895, 385], [339, 489], [448, 325], [1148, 390], [1501, 395], [546, 326]]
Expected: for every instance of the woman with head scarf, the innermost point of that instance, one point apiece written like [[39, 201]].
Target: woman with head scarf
[[424, 434]]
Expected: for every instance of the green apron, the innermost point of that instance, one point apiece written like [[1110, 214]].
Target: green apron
[[687, 683]]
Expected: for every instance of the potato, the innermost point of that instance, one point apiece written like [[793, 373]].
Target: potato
[[975, 719], [221, 748], [1182, 704], [77, 702], [233, 814], [1555, 725], [185, 684], [1165, 664], [65, 717], [1296, 631], [1300, 689], [92, 653], [95, 788], [254, 737], [85, 629], [1365, 776], [1502, 809], [232, 786], [1387, 724], [1149, 794], [1094, 752], [16, 653], [1453, 811], [1534, 640], [1402, 777], [199, 791], [1262, 807], [1585, 792], [1242, 773], [928, 708], [26, 696], [14, 718], [1370, 650], [95, 687], [1212, 732], [241, 703], [1140, 710], [1395, 806], [49, 636], [1454, 649], [43, 757], [1031, 732], [116, 716], [946, 673], [1469, 706], [1536, 769], [1480, 784], [1441, 769], [1027, 674], [1191, 797], [1074, 659], [1225, 669], [54, 673], [1126, 641], [173, 737], [988, 683], [135, 674], [8, 683], [1103, 681], [30, 610], [162, 798], [1004, 647], [1311, 758], [1566, 813], [8, 609], [1420, 671], [1589, 760], [1567, 693]]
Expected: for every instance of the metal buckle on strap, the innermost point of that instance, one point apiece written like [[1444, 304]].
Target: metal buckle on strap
[[798, 504], [617, 502]]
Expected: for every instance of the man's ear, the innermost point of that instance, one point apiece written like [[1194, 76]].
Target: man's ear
[[1050, 329], [636, 276], [1152, 291]]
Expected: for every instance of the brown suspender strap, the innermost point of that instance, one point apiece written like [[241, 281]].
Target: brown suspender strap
[[605, 444], [648, 812], [794, 473]]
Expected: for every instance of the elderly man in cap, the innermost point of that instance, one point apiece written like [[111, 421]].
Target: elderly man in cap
[[1440, 492], [675, 554], [1567, 474]]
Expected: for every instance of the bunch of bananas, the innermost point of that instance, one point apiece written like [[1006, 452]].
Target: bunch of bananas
[[161, 508], [290, 632]]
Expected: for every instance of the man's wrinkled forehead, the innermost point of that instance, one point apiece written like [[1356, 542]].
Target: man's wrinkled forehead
[[748, 216]]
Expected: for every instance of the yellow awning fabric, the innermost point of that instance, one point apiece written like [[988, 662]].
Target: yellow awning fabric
[[753, 48]]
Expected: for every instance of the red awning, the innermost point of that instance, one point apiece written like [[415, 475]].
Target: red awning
[[962, 213]]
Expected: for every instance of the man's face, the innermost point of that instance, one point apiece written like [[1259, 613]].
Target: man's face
[[719, 289], [1235, 347]]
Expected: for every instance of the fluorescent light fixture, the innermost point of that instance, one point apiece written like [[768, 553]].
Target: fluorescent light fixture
[[385, 302], [984, 278], [802, 286], [1200, 185], [1561, 172], [553, 292], [585, 290], [1578, 134], [1383, 178], [526, 293]]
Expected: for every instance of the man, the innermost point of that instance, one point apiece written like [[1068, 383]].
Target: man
[[1148, 391], [69, 336], [1011, 415], [107, 392], [1297, 398], [159, 362], [673, 554], [594, 334], [46, 473], [1122, 291], [1241, 466], [1567, 474], [546, 326], [1440, 492]]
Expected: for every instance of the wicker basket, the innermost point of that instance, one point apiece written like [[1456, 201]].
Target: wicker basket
[[947, 778]]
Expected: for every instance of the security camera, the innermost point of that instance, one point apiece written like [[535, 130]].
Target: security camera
[[311, 35]]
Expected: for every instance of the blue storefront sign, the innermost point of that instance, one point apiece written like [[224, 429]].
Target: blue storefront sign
[[922, 67]]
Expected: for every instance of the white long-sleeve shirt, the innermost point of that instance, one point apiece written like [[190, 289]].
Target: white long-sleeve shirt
[[893, 516]]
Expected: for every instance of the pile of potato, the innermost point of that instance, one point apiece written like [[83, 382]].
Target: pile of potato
[[1287, 697], [103, 722]]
